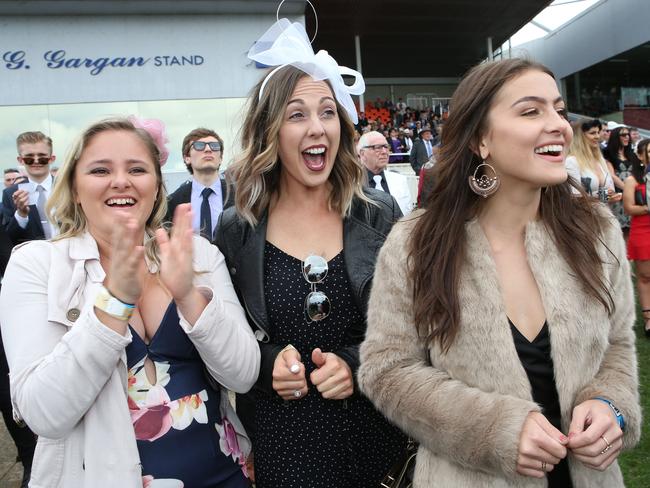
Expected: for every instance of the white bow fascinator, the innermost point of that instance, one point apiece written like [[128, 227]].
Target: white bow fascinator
[[286, 43]]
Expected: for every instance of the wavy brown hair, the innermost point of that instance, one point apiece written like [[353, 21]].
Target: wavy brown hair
[[437, 250], [257, 170]]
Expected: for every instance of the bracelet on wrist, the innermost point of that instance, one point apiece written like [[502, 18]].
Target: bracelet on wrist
[[107, 303], [617, 413]]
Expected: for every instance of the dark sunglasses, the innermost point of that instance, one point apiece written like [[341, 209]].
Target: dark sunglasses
[[377, 147], [624, 134], [317, 305], [200, 145], [29, 160]]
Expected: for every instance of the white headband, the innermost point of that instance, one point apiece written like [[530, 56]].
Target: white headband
[[286, 43]]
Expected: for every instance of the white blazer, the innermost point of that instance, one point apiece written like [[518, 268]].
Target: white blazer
[[68, 371], [399, 189]]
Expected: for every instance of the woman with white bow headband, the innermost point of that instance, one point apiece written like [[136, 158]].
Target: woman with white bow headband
[[300, 245]]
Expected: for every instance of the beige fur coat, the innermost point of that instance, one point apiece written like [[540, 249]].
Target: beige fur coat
[[467, 410]]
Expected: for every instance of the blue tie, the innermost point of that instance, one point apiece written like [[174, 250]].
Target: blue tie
[[206, 215]]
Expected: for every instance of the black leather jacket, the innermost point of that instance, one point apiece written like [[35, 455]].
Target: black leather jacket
[[364, 232]]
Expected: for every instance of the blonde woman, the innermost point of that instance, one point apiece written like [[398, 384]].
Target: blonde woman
[[585, 162], [301, 246], [110, 328]]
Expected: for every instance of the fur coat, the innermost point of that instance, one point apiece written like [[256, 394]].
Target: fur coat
[[467, 407]]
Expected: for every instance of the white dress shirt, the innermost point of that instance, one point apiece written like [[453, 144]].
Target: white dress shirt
[[33, 196], [216, 204]]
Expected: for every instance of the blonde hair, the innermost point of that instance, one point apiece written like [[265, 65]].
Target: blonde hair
[[62, 207], [257, 170], [587, 156], [33, 137]]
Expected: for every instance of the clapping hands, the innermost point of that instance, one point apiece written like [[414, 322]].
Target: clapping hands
[[176, 270], [176, 253]]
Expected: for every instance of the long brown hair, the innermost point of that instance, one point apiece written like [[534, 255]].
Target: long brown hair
[[437, 250], [257, 169]]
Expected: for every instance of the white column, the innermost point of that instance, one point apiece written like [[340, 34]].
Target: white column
[[357, 51]]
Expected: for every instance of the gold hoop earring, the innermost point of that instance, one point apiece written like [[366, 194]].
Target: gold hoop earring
[[484, 185]]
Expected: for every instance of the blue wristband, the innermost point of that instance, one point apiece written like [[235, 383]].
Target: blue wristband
[[619, 416]]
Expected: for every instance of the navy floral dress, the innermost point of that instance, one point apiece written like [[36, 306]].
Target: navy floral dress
[[181, 436]]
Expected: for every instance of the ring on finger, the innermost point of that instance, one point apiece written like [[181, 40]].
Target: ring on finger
[[297, 393], [544, 466], [608, 446]]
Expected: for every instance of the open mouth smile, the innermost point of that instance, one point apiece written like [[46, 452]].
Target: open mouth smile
[[314, 157], [124, 202]]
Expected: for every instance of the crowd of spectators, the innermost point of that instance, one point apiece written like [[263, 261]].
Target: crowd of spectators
[[401, 125]]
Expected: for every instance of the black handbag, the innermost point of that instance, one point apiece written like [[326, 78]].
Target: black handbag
[[400, 474]]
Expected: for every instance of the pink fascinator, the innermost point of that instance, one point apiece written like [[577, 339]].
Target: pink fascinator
[[156, 130]]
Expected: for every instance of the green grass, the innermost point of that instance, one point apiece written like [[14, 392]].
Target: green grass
[[636, 463]]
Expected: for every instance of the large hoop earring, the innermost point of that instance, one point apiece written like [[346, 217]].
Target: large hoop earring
[[484, 185]]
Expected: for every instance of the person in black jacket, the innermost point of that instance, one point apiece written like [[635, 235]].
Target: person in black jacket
[[206, 191], [23, 220], [301, 244], [23, 208], [422, 149]]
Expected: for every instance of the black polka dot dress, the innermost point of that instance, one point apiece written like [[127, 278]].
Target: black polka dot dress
[[313, 442]]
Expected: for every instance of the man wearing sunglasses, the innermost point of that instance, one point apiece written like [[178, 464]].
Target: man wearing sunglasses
[[23, 222], [206, 191], [373, 151], [23, 204]]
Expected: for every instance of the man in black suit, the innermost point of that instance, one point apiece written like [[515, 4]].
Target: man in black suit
[[23, 207], [10, 176], [206, 191], [422, 150], [23, 219]]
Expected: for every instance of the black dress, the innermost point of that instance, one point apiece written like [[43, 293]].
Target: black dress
[[536, 359], [313, 442]]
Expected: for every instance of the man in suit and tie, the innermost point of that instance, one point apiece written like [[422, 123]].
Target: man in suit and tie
[[422, 150], [373, 152], [23, 219], [23, 204], [206, 191]]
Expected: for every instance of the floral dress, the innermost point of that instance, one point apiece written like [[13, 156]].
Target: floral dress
[[183, 441]]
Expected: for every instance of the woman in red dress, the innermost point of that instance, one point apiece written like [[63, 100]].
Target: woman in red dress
[[638, 246]]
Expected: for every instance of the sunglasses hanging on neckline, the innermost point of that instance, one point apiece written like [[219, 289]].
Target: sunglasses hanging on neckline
[[317, 304]]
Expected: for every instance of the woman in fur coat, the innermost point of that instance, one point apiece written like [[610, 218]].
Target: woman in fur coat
[[500, 320]]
